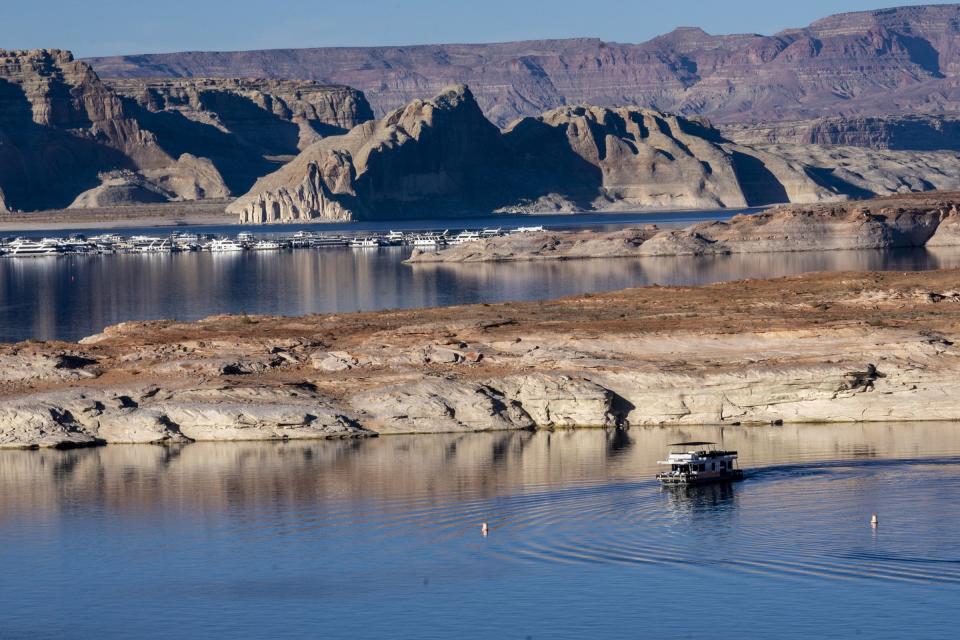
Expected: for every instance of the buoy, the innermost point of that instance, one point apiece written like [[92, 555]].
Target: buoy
[[484, 529], [874, 521]]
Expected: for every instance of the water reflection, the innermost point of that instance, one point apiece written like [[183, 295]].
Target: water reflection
[[445, 468], [71, 297], [380, 538]]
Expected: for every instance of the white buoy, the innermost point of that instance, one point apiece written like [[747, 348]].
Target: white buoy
[[874, 521], [484, 529]]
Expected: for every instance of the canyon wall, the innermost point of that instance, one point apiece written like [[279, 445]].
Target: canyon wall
[[909, 132], [901, 60], [69, 139]]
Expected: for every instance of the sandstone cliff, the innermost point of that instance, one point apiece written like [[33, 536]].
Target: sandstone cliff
[[432, 156], [60, 128], [909, 132], [442, 157], [902, 60], [244, 126]]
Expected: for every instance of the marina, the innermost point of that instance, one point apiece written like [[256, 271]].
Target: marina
[[184, 242]]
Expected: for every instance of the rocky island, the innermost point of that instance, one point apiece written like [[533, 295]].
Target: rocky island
[[836, 347], [916, 220]]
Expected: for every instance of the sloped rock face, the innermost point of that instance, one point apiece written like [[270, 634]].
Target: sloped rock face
[[241, 124], [902, 60], [438, 155], [60, 128]]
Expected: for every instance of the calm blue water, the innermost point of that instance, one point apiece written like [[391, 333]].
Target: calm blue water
[[70, 297], [380, 538]]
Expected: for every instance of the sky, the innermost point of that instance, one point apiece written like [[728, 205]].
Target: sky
[[112, 27]]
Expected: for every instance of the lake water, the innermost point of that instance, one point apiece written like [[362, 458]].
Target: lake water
[[71, 297], [380, 538]]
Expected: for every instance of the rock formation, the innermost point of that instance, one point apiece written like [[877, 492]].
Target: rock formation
[[885, 223], [438, 155], [60, 128], [829, 347], [908, 132], [902, 60], [245, 127], [442, 157]]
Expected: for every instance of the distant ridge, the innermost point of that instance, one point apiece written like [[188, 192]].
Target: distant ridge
[[893, 61]]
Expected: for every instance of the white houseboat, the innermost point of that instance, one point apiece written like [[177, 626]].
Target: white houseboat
[[699, 464], [223, 245], [24, 248]]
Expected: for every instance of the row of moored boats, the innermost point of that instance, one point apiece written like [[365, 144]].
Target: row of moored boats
[[245, 241]]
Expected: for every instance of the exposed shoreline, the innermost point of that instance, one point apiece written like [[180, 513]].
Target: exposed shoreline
[[829, 347], [916, 220], [170, 214]]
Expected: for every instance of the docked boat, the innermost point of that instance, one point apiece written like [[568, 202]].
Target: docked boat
[[149, 244], [429, 240], [223, 245], [371, 242], [528, 229], [395, 238], [699, 464], [266, 245], [465, 236], [24, 248]]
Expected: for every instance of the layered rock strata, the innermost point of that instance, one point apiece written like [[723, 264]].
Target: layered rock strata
[[61, 128], [906, 132], [903, 60], [884, 223], [246, 127], [842, 347], [65, 136]]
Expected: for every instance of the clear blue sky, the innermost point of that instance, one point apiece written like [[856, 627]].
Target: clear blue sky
[[104, 27]]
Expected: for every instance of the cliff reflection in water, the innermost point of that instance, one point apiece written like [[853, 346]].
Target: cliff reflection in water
[[403, 473], [72, 297]]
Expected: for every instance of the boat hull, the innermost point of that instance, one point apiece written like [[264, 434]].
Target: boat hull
[[691, 480]]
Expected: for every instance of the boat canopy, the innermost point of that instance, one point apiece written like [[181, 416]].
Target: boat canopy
[[690, 444]]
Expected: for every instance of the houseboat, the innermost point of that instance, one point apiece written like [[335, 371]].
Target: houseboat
[[365, 243], [699, 463], [24, 248], [223, 245]]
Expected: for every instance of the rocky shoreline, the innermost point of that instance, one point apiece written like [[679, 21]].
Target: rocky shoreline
[[841, 347], [914, 220]]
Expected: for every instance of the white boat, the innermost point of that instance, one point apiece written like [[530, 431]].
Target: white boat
[[528, 230], [371, 242], [245, 237], [24, 248], [699, 465], [491, 233], [464, 237], [323, 240], [429, 240], [395, 238], [223, 245], [266, 245], [149, 244]]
